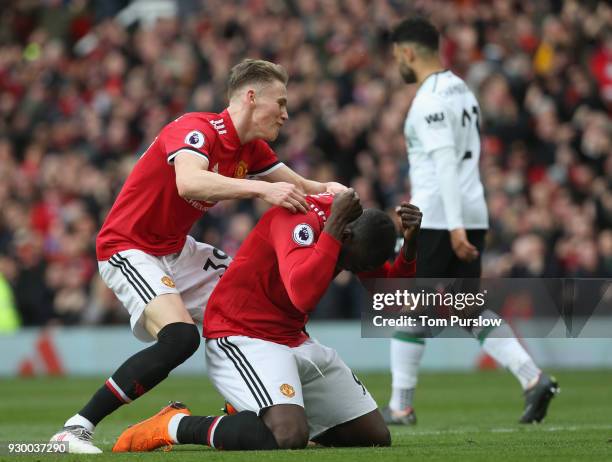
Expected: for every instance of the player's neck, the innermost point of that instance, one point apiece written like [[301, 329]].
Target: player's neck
[[426, 69], [240, 119]]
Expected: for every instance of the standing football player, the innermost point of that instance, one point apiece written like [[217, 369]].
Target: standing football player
[[162, 276], [443, 143]]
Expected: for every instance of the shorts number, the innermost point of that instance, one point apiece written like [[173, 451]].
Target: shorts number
[[359, 383], [216, 266]]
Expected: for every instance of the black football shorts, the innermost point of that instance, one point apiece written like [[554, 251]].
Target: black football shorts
[[436, 259]]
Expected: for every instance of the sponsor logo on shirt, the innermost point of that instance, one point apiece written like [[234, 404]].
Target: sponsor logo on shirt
[[241, 169], [219, 125], [435, 117], [303, 234], [201, 206], [287, 390], [195, 138]]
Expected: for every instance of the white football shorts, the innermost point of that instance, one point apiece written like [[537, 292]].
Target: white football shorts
[[254, 374], [136, 278]]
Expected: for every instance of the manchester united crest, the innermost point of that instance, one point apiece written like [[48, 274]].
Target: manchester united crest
[[287, 390], [241, 169], [167, 281]]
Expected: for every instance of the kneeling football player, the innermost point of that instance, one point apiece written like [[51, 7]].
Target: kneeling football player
[[287, 387]]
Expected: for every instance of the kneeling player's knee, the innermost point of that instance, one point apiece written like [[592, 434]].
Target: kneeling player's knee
[[288, 425], [181, 339], [379, 436], [291, 437]]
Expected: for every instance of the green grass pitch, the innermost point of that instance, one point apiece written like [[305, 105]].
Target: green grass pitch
[[462, 416]]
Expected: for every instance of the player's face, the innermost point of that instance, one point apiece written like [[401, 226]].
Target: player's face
[[270, 112], [401, 57], [356, 265], [353, 259]]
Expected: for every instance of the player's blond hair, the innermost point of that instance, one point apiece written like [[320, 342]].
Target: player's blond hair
[[254, 71]]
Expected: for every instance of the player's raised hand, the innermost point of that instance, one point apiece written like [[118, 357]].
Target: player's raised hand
[[410, 217], [346, 206], [461, 246], [286, 195], [345, 209]]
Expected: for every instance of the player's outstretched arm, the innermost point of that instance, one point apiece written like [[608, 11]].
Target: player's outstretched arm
[[448, 178], [287, 175], [307, 270], [193, 181]]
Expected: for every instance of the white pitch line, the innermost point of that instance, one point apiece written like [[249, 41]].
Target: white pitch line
[[541, 427]]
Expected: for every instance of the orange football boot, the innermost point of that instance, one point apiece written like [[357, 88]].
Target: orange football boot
[[152, 433], [229, 409]]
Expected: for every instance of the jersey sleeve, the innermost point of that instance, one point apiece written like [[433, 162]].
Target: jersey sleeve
[[306, 257], [187, 134], [432, 123], [448, 183], [263, 160], [401, 268]]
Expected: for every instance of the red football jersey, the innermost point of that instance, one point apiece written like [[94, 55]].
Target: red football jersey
[[279, 275], [149, 214]]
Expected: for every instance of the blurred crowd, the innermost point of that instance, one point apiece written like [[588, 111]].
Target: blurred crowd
[[85, 86]]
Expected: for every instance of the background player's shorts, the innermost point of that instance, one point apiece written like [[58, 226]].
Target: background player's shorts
[[136, 278], [254, 374], [436, 258]]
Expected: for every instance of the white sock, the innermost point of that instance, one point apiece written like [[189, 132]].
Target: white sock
[[81, 421], [406, 354], [401, 398], [510, 353], [173, 424], [501, 344]]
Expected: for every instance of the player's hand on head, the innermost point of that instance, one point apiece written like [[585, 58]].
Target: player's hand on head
[[410, 217], [346, 207], [334, 188], [461, 246], [286, 195]]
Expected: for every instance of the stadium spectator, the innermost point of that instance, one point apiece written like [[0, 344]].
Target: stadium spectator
[[82, 95], [9, 318]]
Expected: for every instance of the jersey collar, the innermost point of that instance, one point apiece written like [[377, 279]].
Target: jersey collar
[[232, 138], [433, 74]]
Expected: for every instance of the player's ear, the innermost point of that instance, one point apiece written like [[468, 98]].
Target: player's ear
[[405, 50], [411, 53], [250, 96]]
